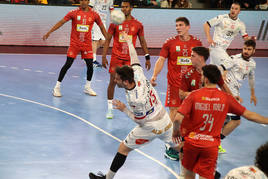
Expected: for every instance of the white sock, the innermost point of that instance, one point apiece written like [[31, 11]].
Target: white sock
[[94, 57], [110, 174], [110, 104], [58, 84], [88, 83]]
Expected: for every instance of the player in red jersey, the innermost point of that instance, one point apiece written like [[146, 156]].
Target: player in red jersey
[[83, 19], [120, 53], [177, 50], [204, 112]]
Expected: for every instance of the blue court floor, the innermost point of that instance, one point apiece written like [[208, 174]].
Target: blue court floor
[[43, 137]]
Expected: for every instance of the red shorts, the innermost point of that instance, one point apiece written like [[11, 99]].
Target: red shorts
[[199, 160], [86, 51], [172, 96], [115, 62]]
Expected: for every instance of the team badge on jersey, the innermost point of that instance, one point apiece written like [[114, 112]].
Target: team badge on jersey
[[178, 48], [193, 83], [78, 18], [120, 27]]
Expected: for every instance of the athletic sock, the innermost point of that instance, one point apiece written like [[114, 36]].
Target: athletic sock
[[88, 83], [110, 174], [110, 104], [58, 84]]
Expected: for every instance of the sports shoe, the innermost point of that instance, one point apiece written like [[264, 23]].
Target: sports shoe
[[88, 90], [96, 64], [171, 153], [221, 150], [109, 114], [98, 176], [56, 92], [217, 175]]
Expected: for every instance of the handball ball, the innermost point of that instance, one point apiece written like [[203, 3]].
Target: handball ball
[[117, 17]]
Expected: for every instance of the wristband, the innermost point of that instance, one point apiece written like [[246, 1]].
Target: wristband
[[147, 56]]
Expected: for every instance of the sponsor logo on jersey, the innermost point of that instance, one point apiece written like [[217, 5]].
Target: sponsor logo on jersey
[[210, 99], [82, 28], [120, 27], [178, 48], [141, 141], [78, 18], [184, 61]]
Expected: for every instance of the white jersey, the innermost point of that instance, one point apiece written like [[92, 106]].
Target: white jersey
[[143, 100], [226, 29], [238, 70], [246, 172], [102, 7]]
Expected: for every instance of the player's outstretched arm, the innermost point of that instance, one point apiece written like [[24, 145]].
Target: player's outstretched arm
[[132, 51], [255, 117], [159, 64], [55, 27], [105, 50], [122, 107], [207, 33]]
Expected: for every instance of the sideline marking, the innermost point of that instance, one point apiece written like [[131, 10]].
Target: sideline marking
[[92, 125]]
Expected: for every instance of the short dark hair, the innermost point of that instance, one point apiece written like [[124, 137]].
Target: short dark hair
[[202, 51], [250, 43], [212, 73], [237, 3], [129, 1], [261, 158], [126, 73], [183, 19]]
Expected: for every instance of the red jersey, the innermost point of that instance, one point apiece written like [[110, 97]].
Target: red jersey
[[179, 57], [206, 109], [133, 28], [82, 23], [191, 80]]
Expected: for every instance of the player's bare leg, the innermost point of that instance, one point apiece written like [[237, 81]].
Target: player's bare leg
[[190, 175], [110, 96], [230, 126]]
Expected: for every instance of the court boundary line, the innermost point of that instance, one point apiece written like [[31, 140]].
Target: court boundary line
[[94, 126]]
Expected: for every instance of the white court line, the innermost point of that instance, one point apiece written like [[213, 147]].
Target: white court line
[[96, 127]]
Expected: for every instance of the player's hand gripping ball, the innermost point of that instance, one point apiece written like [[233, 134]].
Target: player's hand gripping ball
[[117, 17]]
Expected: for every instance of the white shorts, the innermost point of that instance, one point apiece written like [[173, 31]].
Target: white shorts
[[96, 32], [141, 136], [217, 55]]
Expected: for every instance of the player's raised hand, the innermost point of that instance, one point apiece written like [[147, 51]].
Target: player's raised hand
[[153, 81], [148, 65], [211, 42], [119, 105], [104, 62], [253, 99], [46, 36]]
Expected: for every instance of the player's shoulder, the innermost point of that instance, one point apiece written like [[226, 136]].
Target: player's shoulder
[[136, 21], [171, 39], [195, 39], [252, 61], [74, 10]]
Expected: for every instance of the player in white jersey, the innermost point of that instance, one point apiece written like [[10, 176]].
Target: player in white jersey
[[146, 110], [237, 69], [259, 171], [227, 26], [103, 8]]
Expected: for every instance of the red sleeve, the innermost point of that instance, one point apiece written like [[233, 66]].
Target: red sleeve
[[164, 51], [220, 82], [186, 106], [69, 16], [111, 29], [235, 107], [97, 19]]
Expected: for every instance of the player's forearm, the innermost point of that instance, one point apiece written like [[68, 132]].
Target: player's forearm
[[56, 26], [105, 47], [144, 46], [132, 53], [129, 113], [158, 66], [103, 31], [207, 30], [255, 117], [251, 82]]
